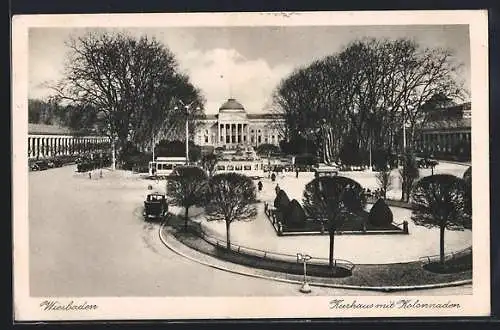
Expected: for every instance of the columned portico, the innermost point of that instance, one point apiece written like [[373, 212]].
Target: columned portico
[[233, 127]]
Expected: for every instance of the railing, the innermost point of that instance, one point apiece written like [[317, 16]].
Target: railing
[[197, 229], [270, 212], [448, 256]]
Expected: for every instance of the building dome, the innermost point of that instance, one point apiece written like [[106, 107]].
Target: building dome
[[232, 105]]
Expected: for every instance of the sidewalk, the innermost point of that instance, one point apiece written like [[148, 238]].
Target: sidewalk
[[410, 276]]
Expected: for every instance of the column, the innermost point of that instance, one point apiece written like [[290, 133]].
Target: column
[[238, 133], [42, 147], [218, 134]]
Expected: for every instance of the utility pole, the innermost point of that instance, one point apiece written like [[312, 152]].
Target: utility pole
[[187, 107]]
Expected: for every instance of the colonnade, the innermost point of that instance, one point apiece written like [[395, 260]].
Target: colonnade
[[233, 133], [444, 141], [44, 146]]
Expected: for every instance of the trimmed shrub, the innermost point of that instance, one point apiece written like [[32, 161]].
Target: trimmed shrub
[[380, 214], [294, 215], [281, 201]]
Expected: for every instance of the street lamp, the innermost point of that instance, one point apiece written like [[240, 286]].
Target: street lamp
[[305, 288], [187, 107]]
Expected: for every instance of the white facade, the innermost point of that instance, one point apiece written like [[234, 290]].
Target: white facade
[[233, 127]]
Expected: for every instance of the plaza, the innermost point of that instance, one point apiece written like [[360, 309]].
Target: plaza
[[87, 237], [360, 249]]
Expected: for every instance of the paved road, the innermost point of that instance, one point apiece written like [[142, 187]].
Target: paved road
[[87, 238]]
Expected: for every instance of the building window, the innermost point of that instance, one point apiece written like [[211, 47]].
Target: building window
[[227, 138], [238, 167], [265, 139], [252, 139], [259, 139], [206, 139], [221, 168], [251, 131], [247, 167], [244, 138]]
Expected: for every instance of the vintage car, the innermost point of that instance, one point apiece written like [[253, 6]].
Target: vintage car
[[40, 165], [155, 206]]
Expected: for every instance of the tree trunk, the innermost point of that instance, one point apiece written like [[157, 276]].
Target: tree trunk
[[332, 242], [113, 155], [228, 237], [186, 218], [402, 189], [441, 244]]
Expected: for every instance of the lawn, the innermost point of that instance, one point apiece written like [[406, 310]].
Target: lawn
[[372, 275]]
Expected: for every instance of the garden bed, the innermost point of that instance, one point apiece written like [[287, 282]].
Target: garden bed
[[454, 265], [410, 274], [311, 227], [220, 251]]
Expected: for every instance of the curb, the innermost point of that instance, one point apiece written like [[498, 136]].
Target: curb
[[311, 283]]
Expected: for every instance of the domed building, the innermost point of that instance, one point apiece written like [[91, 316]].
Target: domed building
[[233, 127]]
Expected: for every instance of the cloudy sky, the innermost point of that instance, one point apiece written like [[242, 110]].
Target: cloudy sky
[[242, 62]]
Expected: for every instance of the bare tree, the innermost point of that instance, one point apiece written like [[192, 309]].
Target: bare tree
[[208, 162], [366, 91], [232, 197], [384, 181], [333, 200], [440, 201], [186, 187], [130, 82], [409, 173]]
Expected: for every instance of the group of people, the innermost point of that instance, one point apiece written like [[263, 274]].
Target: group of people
[[100, 174], [375, 194]]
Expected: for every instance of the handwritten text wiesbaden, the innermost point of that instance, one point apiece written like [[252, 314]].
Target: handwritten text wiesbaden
[[54, 305]]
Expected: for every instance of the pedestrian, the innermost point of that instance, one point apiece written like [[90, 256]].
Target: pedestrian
[[90, 175], [100, 174], [277, 188], [259, 185], [297, 172], [273, 177]]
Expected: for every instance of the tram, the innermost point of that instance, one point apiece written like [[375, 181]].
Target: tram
[[163, 166], [251, 168]]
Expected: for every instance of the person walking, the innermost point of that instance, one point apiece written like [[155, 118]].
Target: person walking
[[259, 185], [296, 172]]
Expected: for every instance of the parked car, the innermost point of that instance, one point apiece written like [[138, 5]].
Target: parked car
[[40, 165], [155, 207], [427, 163]]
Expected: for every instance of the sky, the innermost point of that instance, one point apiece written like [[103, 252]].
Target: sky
[[246, 63]]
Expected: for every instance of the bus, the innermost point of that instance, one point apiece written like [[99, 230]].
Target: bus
[[163, 166]]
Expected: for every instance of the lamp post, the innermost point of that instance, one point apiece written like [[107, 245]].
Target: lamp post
[[187, 107], [305, 288]]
